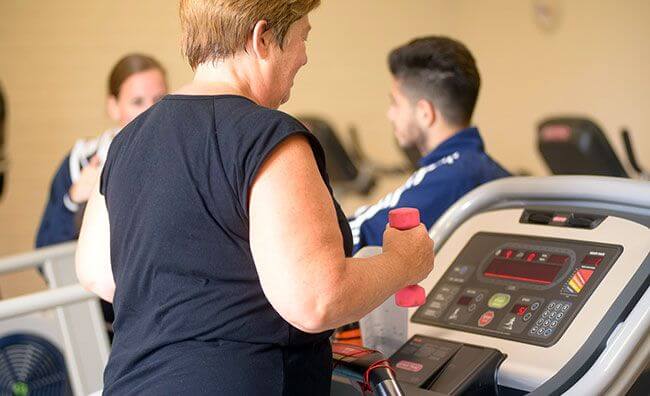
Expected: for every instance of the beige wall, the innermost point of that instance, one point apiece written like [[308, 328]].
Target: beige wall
[[55, 56]]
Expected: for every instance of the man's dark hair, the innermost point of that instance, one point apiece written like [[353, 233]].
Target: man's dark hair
[[441, 70]]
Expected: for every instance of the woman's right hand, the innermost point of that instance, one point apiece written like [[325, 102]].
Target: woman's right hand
[[82, 189], [414, 248]]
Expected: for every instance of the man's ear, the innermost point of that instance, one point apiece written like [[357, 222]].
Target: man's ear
[[112, 108], [261, 39], [425, 113]]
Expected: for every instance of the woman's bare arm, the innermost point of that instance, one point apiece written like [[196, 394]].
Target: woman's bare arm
[[298, 249], [93, 257]]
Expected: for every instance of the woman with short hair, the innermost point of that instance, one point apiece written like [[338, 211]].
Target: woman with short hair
[[228, 250]]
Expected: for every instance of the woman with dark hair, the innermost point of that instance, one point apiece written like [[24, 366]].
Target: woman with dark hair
[[214, 231], [135, 83]]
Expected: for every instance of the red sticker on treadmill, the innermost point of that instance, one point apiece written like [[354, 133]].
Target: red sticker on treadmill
[[409, 366]]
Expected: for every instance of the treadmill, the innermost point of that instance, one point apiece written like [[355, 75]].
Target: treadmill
[[540, 286]]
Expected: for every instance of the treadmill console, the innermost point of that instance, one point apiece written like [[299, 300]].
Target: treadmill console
[[526, 289]]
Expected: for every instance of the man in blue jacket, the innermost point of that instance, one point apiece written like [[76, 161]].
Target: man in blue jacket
[[434, 89]]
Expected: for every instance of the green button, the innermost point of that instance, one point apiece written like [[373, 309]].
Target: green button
[[499, 300], [20, 389]]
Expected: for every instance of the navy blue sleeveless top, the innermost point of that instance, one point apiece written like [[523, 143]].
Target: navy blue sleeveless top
[[190, 313]]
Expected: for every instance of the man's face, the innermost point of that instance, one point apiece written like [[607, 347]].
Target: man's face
[[401, 113]]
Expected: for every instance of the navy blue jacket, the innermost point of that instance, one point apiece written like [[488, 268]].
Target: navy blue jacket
[[451, 170], [58, 223]]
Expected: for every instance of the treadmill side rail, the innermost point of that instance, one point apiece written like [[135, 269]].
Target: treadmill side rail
[[627, 337]]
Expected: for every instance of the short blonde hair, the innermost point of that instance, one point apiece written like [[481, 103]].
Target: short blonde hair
[[216, 29]]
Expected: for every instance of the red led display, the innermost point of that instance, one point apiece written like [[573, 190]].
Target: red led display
[[464, 300], [539, 273], [592, 260]]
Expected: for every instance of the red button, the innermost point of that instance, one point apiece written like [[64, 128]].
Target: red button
[[486, 318], [531, 256]]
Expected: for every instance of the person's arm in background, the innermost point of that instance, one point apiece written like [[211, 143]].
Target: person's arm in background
[[432, 193], [59, 223], [298, 247], [93, 256]]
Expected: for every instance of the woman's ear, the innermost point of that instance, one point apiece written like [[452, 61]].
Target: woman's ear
[[262, 39], [112, 108], [425, 113]]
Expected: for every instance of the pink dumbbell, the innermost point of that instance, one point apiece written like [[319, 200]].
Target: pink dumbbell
[[405, 219]]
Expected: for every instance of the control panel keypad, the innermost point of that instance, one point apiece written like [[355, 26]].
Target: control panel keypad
[[551, 317]]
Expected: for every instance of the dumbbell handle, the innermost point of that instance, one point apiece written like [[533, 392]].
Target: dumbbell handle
[[405, 219]]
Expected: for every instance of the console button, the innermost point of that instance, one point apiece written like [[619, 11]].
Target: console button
[[499, 300], [512, 323], [527, 316], [486, 318]]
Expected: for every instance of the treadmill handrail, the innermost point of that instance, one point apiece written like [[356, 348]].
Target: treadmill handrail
[[44, 300], [627, 336], [631, 157], [36, 257], [619, 191]]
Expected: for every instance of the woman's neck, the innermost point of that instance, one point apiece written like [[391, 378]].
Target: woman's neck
[[227, 77]]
